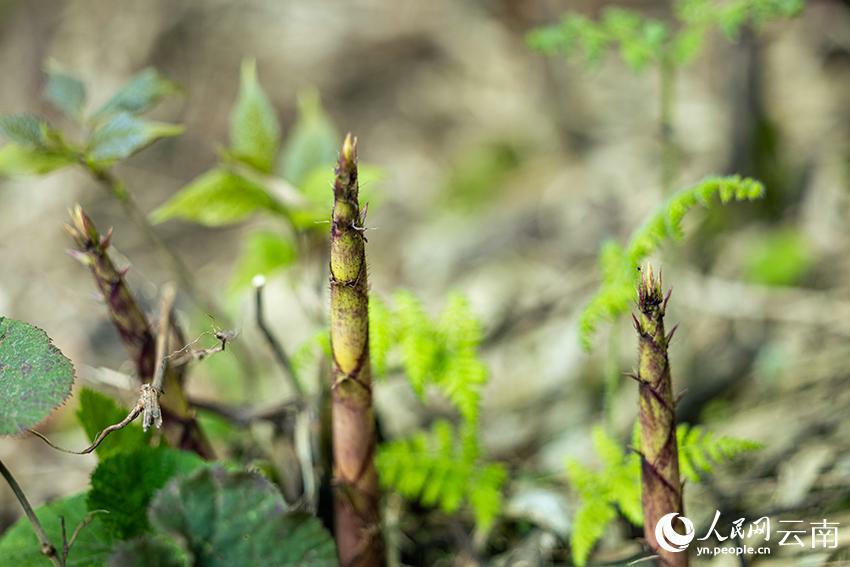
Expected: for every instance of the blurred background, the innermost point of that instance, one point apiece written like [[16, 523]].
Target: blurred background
[[501, 172]]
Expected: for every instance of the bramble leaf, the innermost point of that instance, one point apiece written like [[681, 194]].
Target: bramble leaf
[[125, 483], [97, 412], [254, 129], [17, 160], [20, 547], [313, 142], [216, 198], [36, 376], [139, 94], [239, 518], [264, 254], [123, 134], [65, 91]]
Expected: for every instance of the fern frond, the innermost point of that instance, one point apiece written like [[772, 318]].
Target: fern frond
[[700, 450], [435, 469], [601, 493], [619, 265], [639, 39], [420, 348], [591, 519]]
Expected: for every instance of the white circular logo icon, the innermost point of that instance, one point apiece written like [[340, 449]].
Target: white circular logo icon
[[670, 539]]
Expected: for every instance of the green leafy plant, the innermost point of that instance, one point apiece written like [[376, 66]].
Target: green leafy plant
[[221, 518], [259, 173], [618, 264], [37, 377], [643, 41], [614, 489], [442, 467]]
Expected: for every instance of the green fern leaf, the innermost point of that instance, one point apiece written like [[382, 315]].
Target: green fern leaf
[[619, 266], [591, 519]]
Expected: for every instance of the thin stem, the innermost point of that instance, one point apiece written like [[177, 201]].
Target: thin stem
[[277, 349], [47, 548]]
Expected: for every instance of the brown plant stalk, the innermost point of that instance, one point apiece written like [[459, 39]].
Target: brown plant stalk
[[135, 330], [661, 487], [356, 495]]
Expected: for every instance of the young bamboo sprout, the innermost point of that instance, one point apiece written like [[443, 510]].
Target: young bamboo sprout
[[356, 497], [134, 328], [661, 491]]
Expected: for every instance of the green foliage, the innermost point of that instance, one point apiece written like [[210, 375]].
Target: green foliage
[[19, 545], [126, 482], [442, 353], [618, 265], [254, 130], [640, 40], [122, 135], [618, 485], [37, 378], [312, 144], [700, 450], [264, 253], [28, 131], [643, 41], [66, 92], [234, 518], [115, 131], [218, 197], [141, 93], [96, 412], [441, 468], [780, 258], [17, 160]]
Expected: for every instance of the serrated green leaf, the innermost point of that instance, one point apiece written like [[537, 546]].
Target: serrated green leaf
[[264, 253], [17, 160], [25, 130], [97, 412], [139, 94], [36, 376], [125, 483], [239, 518], [312, 143], [123, 134], [65, 91], [216, 198], [254, 129], [20, 547]]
